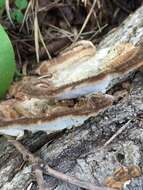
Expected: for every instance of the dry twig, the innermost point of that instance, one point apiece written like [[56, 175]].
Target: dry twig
[[117, 133], [39, 166], [7, 8], [86, 20]]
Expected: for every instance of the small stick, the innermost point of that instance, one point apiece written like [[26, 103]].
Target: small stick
[[39, 176], [37, 162], [117, 133], [73, 180]]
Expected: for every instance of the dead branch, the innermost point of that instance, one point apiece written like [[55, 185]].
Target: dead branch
[[37, 163]]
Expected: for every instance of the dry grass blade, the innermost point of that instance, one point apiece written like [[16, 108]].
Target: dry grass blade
[[86, 20], [7, 8], [98, 25], [43, 43], [63, 32], [26, 14], [84, 2], [36, 36], [97, 32], [66, 20]]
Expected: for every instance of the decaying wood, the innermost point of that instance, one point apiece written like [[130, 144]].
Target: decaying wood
[[79, 151]]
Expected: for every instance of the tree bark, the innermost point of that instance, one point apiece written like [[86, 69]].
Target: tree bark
[[80, 151]]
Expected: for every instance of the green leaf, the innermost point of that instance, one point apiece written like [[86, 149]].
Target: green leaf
[[2, 4], [17, 16], [21, 4], [7, 62]]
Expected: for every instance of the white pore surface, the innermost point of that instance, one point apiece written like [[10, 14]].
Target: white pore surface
[[50, 126]]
